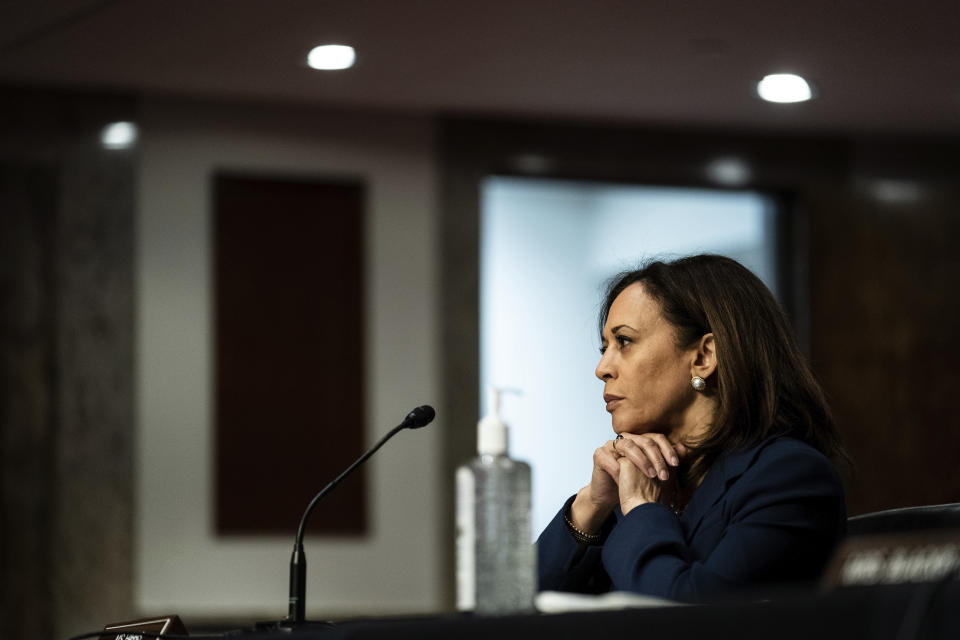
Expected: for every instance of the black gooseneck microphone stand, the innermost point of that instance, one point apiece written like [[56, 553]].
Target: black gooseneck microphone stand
[[419, 417]]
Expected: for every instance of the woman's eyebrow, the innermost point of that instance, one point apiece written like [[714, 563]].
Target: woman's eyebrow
[[621, 326]]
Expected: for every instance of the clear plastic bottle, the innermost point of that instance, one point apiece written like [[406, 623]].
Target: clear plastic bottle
[[496, 560]]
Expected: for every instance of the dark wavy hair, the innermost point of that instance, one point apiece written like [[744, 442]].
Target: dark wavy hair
[[763, 383]]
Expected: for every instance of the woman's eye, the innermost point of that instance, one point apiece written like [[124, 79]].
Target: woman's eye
[[621, 341]]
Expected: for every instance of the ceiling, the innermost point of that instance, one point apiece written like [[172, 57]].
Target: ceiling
[[889, 66]]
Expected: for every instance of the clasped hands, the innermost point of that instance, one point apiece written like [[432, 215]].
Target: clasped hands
[[630, 471]]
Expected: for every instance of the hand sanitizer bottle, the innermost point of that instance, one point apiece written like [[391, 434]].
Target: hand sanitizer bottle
[[496, 560]]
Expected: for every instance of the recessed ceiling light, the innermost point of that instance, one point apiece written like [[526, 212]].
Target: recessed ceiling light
[[784, 87], [729, 171], [119, 135], [532, 163], [330, 57], [896, 191]]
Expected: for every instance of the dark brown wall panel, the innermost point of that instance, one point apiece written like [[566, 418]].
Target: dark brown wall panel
[[885, 315], [289, 353]]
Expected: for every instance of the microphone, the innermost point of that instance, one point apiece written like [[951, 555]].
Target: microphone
[[419, 417]]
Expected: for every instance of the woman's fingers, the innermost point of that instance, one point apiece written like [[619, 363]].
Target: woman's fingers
[[667, 449], [635, 466], [602, 492], [630, 479], [646, 455], [634, 487], [606, 458]]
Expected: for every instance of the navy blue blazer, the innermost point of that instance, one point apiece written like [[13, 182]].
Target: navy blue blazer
[[769, 514]]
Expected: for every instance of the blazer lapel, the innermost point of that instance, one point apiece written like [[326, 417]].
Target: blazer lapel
[[720, 476]]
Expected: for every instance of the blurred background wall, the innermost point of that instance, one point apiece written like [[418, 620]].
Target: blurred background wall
[[106, 455], [183, 144]]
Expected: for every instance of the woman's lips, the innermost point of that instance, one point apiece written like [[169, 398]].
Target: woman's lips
[[611, 400]]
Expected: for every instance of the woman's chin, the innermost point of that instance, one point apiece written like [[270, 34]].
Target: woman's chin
[[626, 426]]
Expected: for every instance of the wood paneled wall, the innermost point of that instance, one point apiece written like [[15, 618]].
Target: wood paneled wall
[[885, 313], [66, 353]]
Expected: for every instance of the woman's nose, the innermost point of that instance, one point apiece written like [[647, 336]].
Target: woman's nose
[[604, 370]]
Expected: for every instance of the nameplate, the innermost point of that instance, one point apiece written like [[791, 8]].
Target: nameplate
[[133, 630], [894, 559]]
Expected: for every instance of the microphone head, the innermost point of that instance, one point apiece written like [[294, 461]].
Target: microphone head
[[419, 417]]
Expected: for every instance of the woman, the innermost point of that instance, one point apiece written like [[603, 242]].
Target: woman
[[720, 476]]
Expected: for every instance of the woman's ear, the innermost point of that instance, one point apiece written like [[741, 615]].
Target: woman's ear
[[705, 359]]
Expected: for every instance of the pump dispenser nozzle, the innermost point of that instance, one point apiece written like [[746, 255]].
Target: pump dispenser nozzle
[[492, 431]]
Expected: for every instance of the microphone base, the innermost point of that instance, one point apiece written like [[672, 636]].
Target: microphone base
[[289, 626]]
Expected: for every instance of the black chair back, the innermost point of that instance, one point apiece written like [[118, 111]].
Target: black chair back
[[925, 518]]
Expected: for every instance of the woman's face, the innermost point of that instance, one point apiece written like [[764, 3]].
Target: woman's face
[[646, 375]]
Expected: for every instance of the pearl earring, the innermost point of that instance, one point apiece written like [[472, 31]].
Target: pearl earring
[[698, 383]]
